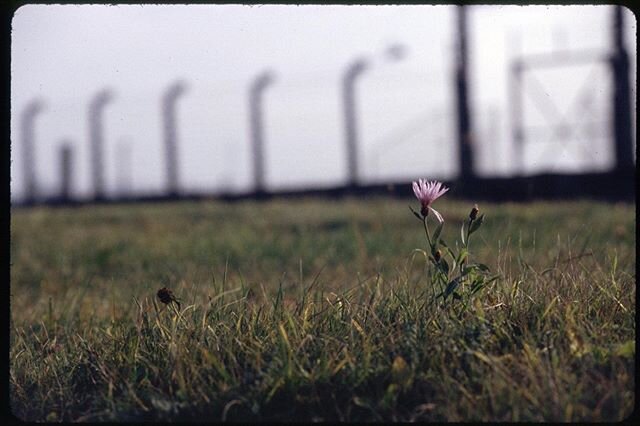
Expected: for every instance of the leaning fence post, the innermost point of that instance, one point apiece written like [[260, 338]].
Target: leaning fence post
[[27, 118]]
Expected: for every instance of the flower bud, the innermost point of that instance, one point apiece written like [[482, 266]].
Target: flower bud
[[474, 212], [437, 256]]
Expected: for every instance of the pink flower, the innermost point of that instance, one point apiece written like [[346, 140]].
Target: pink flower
[[427, 193]]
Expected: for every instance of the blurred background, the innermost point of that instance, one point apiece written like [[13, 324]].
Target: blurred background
[[129, 102]]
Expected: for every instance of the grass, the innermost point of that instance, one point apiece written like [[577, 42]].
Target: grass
[[316, 310]]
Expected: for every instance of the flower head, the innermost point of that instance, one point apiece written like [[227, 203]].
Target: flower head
[[474, 212], [427, 193], [166, 296], [437, 256]]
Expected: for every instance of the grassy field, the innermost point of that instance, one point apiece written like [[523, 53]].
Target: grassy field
[[320, 310]]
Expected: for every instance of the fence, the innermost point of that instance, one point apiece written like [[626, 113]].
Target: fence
[[597, 119]]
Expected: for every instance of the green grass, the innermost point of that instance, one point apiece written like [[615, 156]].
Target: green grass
[[319, 310]]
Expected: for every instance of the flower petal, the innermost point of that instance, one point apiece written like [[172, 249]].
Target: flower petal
[[416, 190]]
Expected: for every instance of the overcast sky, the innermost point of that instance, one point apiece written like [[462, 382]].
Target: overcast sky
[[65, 54]]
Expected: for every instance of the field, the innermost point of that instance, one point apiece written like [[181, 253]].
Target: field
[[318, 310]]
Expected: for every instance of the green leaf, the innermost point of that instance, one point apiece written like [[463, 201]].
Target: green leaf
[[476, 224], [467, 269], [444, 266], [451, 253], [462, 255], [462, 234], [416, 214], [477, 286], [482, 267], [475, 267], [451, 287]]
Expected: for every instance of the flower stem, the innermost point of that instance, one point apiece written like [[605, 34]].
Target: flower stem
[[468, 242], [426, 230]]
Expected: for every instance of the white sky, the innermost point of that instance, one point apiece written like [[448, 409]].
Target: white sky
[[65, 54]]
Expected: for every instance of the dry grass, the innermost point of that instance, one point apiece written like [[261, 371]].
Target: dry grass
[[311, 310]]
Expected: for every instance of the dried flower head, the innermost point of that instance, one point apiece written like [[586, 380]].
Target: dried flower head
[[427, 193], [166, 296], [437, 256]]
